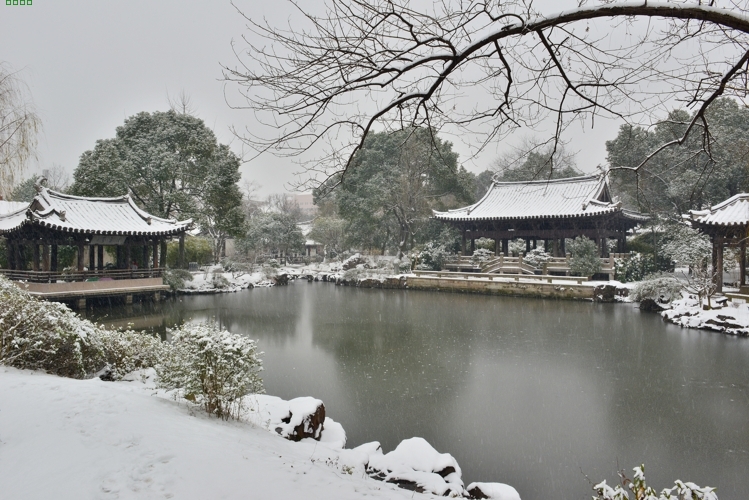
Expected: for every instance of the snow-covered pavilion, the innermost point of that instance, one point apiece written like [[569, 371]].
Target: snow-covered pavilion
[[35, 231], [727, 224], [549, 210]]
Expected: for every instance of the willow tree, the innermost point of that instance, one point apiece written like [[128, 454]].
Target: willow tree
[[19, 125], [482, 69]]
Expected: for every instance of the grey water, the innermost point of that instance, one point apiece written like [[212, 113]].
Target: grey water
[[548, 396]]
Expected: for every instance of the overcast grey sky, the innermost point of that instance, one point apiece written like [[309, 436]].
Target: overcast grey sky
[[92, 63]]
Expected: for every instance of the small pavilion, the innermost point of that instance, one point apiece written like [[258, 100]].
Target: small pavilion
[[549, 210], [727, 225], [34, 233]]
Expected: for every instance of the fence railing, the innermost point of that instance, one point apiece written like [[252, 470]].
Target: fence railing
[[501, 277], [68, 276], [517, 265]]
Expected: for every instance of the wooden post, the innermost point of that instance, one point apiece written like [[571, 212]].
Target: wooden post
[[128, 257], [162, 253], [562, 247], [465, 250], [473, 245], [53, 259], [555, 247], [145, 256], [100, 257], [45, 257], [505, 247], [11, 255], [91, 257], [719, 266], [527, 245], [181, 262], [80, 257], [155, 253], [17, 249], [35, 263], [742, 265]]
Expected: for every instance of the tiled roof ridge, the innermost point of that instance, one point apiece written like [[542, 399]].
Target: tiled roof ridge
[[580, 178]]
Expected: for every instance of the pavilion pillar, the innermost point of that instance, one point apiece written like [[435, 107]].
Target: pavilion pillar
[[718, 264], [91, 257], [155, 253], [742, 265], [604, 247], [463, 245], [473, 245], [527, 245], [100, 257], [162, 253], [128, 257], [562, 247], [45, 257], [18, 251], [555, 247], [35, 263], [535, 243], [80, 257], [11, 255], [181, 261], [53, 259], [505, 247]]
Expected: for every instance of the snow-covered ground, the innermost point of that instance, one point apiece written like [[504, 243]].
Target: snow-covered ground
[[730, 317], [65, 438]]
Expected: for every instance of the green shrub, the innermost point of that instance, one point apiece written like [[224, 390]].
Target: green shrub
[[176, 278], [584, 259], [197, 249], [211, 367]]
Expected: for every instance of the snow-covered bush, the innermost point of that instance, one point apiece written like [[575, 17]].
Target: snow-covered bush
[[401, 266], [641, 491], [48, 336], [516, 247], [125, 351], [219, 281], [662, 288], [430, 258], [584, 260], [40, 335], [686, 246], [481, 255], [634, 268], [211, 367], [176, 278], [486, 243], [537, 258]]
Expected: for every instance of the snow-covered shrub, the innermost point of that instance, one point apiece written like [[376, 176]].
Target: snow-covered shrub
[[401, 266], [634, 268], [516, 247], [211, 367], [47, 336], [353, 261], [430, 258], [353, 274], [486, 243], [662, 288], [641, 491], [273, 263], [219, 281], [125, 351], [584, 260], [40, 335], [176, 278], [686, 246], [481, 255], [537, 258]]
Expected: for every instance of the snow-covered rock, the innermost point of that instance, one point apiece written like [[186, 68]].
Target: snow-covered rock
[[497, 491], [295, 420], [732, 318]]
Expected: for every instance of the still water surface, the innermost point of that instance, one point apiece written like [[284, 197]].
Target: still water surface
[[538, 394]]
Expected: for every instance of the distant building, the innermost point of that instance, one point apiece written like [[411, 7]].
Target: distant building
[[306, 203]]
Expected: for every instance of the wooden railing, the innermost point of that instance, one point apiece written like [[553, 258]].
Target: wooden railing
[[69, 276]]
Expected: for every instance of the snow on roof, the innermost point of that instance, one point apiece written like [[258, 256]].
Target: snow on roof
[[107, 216], [9, 207], [732, 212], [584, 196]]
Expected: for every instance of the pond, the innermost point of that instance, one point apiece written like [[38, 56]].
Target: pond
[[548, 396]]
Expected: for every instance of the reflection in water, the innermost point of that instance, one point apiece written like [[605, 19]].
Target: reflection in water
[[534, 393]]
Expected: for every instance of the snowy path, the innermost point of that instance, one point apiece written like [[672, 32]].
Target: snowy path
[[71, 439]]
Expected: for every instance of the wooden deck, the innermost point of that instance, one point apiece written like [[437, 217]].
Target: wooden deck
[[79, 286]]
